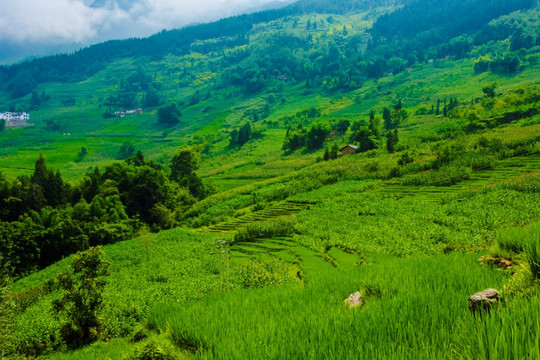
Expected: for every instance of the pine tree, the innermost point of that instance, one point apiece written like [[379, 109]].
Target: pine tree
[[374, 127], [391, 140], [334, 152], [445, 112], [387, 117]]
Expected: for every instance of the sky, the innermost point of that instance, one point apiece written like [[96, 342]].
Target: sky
[[39, 27]]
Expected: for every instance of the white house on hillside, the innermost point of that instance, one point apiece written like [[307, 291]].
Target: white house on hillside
[[16, 119]]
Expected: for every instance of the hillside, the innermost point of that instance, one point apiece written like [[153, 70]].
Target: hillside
[[230, 224]]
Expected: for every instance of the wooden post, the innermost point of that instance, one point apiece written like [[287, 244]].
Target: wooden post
[[220, 274], [227, 265]]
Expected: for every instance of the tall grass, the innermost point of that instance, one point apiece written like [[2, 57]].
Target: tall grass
[[514, 239], [411, 313], [525, 240], [511, 332], [532, 250]]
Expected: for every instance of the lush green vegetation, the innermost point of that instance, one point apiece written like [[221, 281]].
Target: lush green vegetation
[[44, 219], [230, 226]]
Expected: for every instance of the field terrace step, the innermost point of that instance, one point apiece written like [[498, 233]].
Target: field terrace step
[[504, 170], [272, 211]]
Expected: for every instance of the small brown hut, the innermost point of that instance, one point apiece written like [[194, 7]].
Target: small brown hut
[[349, 149]]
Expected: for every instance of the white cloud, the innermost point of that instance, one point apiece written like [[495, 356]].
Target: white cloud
[[53, 21], [68, 21]]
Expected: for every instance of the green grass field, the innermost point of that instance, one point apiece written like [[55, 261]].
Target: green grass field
[[406, 228]]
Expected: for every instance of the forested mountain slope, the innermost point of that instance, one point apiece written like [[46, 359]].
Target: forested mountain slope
[[227, 136]]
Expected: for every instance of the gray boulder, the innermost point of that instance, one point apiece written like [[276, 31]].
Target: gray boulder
[[354, 300], [484, 300]]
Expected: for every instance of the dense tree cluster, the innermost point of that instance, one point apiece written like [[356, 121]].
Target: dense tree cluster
[[241, 136], [421, 27], [169, 115], [43, 218], [312, 139], [418, 31]]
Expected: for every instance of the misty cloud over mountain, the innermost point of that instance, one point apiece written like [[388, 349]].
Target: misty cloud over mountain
[[37, 27]]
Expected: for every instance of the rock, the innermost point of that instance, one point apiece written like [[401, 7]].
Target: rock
[[486, 260], [484, 300], [354, 300], [499, 262]]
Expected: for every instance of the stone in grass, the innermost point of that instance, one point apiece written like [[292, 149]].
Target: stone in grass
[[484, 300], [354, 300], [499, 262]]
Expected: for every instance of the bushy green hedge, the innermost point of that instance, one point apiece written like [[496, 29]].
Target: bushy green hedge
[[445, 176], [266, 229]]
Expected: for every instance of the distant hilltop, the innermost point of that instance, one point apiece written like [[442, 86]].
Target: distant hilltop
[[16, 119]]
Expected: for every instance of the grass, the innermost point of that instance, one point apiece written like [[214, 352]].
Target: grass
[[406, 236], [398, 321], [175, 287]]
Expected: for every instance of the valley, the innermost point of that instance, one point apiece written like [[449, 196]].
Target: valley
[[222, 221]]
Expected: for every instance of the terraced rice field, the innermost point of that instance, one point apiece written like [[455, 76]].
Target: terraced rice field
[[506, 169], [272, 211], [266, 323]]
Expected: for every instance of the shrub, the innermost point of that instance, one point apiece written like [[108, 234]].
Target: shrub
[[81, 298], [152, 351], [266, 229], [445, 176], [7, 310], [267, 273]]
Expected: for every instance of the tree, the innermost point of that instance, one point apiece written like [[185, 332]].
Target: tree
[[183, 164], [126, 150], [317, 135], [398, 106], [356, 125], [334, 152], [364, 139], [2, 124], [391, 140], [374, 127], [151, 98], [183, 167], [136, 160], [482, 64], [81, 154], [244, 134], [7, 309], [39, 177], [147, 187], [295, 139], [169, 115], [521, 40], [35, 100], [81, 298], [445, 110], [489, 90], [343, 126], [387, 117]]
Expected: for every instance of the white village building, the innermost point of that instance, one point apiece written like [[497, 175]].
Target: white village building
[[16, 119]]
